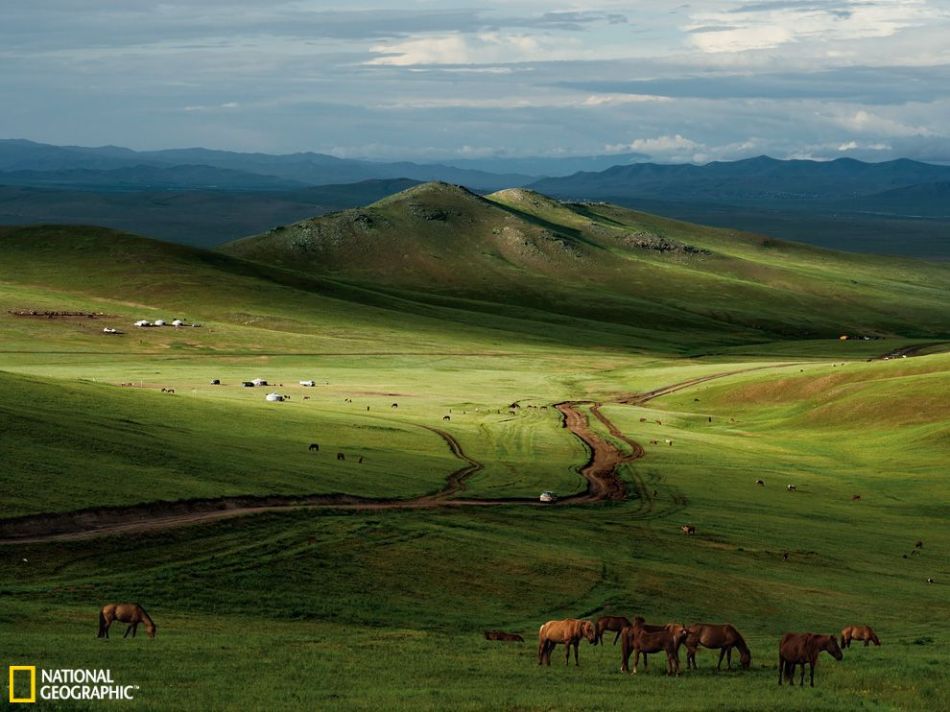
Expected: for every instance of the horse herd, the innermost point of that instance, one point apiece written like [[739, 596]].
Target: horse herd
[[638, 638]]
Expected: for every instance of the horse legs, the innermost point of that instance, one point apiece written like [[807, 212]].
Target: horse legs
[[802, 681], [127, 631], [867, 642], [811, 667], [690, 658], [722, 653], [135, 628], [729, 658], [577, 644], [781, 669], [617, 636], [542, 646]]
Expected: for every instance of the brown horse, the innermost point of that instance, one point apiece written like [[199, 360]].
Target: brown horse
[[567, 632], [502, 635], [131, 613], [721, 637], [641, 638], [800, 648], [611, 623], [858, 632]]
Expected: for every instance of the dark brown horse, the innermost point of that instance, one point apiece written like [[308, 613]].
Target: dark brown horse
[[131, 613], [502, 635], [641, 638], [800, 648], [858, 632], [611, 623], [314, 447], [716, 637], [567, 632]]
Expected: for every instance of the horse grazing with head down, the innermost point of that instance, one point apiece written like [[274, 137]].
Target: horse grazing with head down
[[611, 623], [800, 648], [858, 632], [131, 613], [642, 638], [567, 632], [716, 637]]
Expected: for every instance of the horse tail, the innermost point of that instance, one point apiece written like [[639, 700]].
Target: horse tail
[[102, 623]]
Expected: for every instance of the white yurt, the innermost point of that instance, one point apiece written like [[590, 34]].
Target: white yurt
[[259, 382], [159, 322], [308, 384], [274, 397], [142, 322], [178, 322]]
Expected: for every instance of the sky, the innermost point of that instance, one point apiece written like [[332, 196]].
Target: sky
[[454, 79]]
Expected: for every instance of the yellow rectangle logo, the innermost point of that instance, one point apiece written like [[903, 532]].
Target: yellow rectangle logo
[[20, 668]]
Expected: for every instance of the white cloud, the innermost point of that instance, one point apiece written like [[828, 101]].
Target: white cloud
[[660, 145], [863, 121]]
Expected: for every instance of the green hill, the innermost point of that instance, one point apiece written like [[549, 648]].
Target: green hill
[[607, 264]]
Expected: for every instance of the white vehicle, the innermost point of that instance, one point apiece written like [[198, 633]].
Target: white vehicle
[[110, 330], [274, 397], [548, 496], [308, 384]]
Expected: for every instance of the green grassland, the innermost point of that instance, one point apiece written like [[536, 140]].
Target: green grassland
[[343, 608]]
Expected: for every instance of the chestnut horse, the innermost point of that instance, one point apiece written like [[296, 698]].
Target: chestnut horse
[[643, 638], [800, 648], [567, 632], [721, 637], [613, 624], [131, 613], [858, 632]]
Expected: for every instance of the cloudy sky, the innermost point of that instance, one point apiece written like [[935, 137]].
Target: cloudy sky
[[437, 79]]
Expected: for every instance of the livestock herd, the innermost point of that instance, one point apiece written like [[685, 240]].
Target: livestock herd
[[638, 638]]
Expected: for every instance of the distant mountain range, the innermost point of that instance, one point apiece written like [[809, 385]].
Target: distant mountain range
[[22, 162], [896, 207], [754, 181]]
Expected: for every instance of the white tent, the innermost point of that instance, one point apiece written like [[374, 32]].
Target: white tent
[[308, 384], [178, 322], [274, 397], [143, 322], [159, 322], [259, 382]]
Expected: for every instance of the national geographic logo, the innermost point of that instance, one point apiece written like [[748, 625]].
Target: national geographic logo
[[64, 684]]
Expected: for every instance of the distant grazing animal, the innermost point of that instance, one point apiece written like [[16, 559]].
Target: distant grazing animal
[[502, 635], [611, 623], [639, 639], [785, 556], [511, 412], [654, 442], [710, 418], [800, 648], [360, 461], [930, 580], [446, 418], [394, 405], [131, 613], [669, 442], [858, 632], [314, 447], [659, 423], [367, 407], [919, 545], [567, 632], [688, 529], [643, 420], [791, 488], [760, 483], [340, 456], [308, 398], [855, 497], [714, 636], [170, 390]]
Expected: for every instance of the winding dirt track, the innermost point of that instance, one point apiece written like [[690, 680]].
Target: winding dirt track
[[601, 472]]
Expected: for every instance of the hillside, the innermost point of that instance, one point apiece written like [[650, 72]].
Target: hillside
[[607, 264]]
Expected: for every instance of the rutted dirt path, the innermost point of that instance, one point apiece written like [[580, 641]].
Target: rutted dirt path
[[601, 471]]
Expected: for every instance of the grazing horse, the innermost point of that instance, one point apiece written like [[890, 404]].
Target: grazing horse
[[643, 420], [919, 545], [858, 632], [131, 613], [567, 632], [791, 488], [340, 456], [855, 497], [800, 648], [446, 418], [394, 405], [314, 447], [760, 483], [669, 442], [611, 623], [641, 638], [721, 637], [688, 529], [503, 636], [360, 461]]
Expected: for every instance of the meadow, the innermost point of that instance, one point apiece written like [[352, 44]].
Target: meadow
[[336, 606]]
